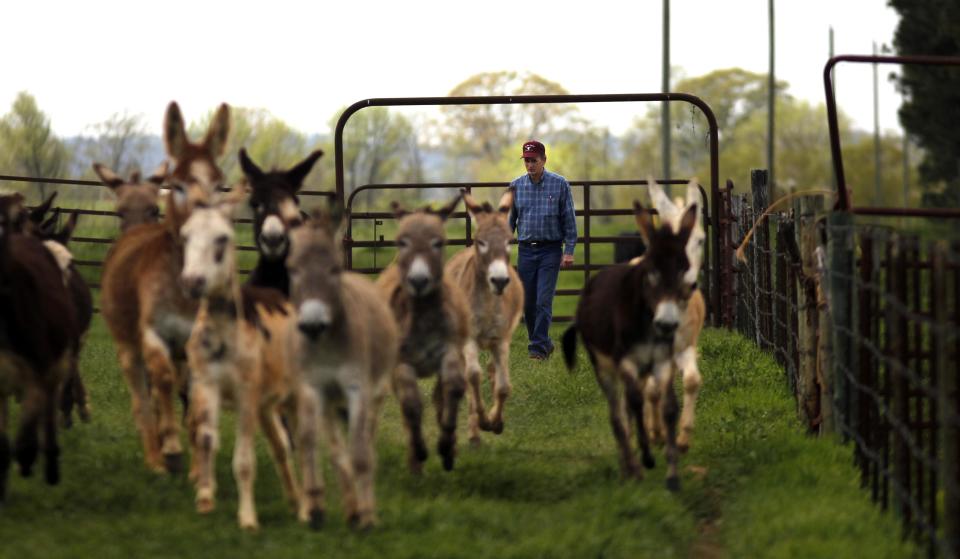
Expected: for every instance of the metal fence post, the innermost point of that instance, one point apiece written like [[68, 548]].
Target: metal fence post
[[840, 258], [949, 401]]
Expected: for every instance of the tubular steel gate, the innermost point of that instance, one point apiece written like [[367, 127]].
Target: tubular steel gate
[[865, 319]]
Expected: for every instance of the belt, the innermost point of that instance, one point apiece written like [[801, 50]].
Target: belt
[[540, 243]]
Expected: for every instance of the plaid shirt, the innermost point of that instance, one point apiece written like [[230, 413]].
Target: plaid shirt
[[544, 211]]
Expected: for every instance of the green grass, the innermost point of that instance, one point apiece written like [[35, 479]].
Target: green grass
[[753, 485]]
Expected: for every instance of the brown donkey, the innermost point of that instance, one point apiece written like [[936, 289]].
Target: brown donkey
[[434, 319], [627, 316], [236, 353], [345, 348], [138, 202], [495, 296], [142, 302]]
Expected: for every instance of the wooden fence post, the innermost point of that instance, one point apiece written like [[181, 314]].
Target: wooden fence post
[[840, 259], [808, 382], [949, 403], [824, 339]]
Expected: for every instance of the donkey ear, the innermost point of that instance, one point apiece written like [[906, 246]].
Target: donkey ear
[[693, 192], [49, 225], [298, 174], [174, 132], [689, 220], [506, 201], [249, 167], [36, 214], [445, 211], [110, 179], [398, 211], [159, 175], [644, 222], [216, 139], [661, 202], [472, 206], [64, 235]]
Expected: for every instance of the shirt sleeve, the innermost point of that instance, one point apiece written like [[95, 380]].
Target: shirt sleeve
[[568, 220], [513, 209]]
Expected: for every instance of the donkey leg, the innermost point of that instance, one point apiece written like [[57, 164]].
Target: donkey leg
[[280, 449], [501, 384], [687, 363], [477, 418], [362, 457], [653, 410], [27, 444], [141, 405], [331, 421], [205, 410], [51, 450], [629, 467], [163, 375], [244, 459], [635, 401], [308, 423], [454, 385], [408, 393], [664, 376]]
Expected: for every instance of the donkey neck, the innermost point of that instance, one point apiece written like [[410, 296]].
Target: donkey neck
[[271, 273]]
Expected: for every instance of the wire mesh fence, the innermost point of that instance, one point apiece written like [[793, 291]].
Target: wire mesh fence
[[864, 319]]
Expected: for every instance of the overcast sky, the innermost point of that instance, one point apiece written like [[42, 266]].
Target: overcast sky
[[302, 61]]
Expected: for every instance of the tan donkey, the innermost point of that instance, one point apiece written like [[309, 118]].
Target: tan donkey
[[236, 353], [495, 296], [684, 355], [147, 312], [344, 349], [138, 202], [434, 319]]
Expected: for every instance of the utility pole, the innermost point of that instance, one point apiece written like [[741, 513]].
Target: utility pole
[[876, 135], [665, 88], [833, 80], [771, 108]]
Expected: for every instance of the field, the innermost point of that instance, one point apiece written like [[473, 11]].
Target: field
[[752, 485]]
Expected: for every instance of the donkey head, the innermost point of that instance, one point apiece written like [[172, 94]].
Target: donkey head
[[274, 202], [138, 202], [195, 171], [664, 267], [671, 213], [209, 261], [420, 241], [314, 263], [492, 239], [12, 213]]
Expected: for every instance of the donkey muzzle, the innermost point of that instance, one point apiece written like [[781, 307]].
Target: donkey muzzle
[[311, 329], [315, 317], [418, 285], [193, 286], [498, 284]]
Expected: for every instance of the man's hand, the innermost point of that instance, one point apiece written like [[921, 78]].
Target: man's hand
[[567, 261]]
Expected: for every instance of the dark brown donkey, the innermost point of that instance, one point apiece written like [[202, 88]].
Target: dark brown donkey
[[37, 333], [275, 207], [627, 316], [142, 302], [495, 295], [434, 320]]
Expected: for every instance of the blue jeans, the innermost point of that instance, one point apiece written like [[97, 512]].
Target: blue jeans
[[538, 268]]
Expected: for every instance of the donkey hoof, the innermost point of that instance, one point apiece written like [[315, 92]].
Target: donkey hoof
[[496, 426], [52, 474], [448, 462], [476, 441], [84, 413], [173, 463], [420, 453], [316, 519], [649, 462], [362, 523], [673, 484], [205, 505]]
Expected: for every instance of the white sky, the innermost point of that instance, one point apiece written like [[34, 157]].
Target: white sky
[[302, 61]]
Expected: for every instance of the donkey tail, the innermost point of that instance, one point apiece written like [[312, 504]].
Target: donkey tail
[[569, 344]]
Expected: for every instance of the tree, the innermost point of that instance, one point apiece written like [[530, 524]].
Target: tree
[[120, 142], [481, 132], [27, 144], [931, 106]]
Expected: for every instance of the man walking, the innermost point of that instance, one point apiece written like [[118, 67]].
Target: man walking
[[546, 227]]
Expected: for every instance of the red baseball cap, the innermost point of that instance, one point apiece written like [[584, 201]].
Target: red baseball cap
[[533, 148]]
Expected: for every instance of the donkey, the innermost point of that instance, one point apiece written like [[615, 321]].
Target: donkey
[[142, 302], [345, 348], [627, 316], [275, 208], [434, 319], [495, 295], [236, 353], [684, 355], [138, 202], [37, 333]]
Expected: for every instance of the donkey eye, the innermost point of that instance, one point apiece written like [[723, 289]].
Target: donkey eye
[[403, 243], [482, 245], [221, 240], [437, 244], [653, 278]]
